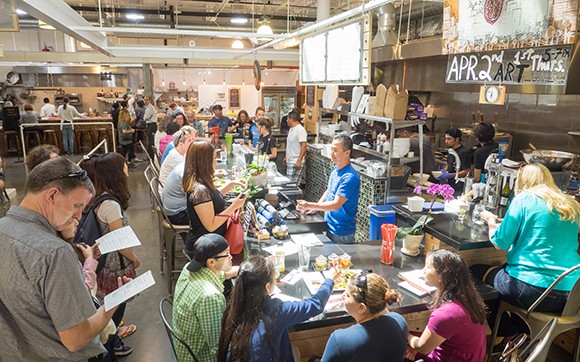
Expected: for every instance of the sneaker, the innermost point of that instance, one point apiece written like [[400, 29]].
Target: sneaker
[[121, 349]]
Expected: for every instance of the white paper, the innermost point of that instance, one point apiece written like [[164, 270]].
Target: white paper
[[416, 277], [309, 239], [119, 239], [335, 303], [313, 281], [292, 278], [289, 248], [412, 289], [129, 290], [285, 298]]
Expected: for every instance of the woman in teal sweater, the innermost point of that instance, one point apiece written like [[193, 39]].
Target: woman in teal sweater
[[540, 232]]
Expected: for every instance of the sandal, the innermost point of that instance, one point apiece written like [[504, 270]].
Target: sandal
[[126, 331]]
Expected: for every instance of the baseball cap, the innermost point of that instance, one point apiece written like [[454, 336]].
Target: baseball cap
[[218, 106], [206, 247]]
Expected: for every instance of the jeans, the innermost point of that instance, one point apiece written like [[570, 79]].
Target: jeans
[[68, 138], [346, 239]]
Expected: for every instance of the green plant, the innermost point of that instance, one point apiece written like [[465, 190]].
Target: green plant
[[254, 170], [416, 229]]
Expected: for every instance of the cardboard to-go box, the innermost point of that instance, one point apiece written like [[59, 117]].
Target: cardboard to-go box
[[396, 103]]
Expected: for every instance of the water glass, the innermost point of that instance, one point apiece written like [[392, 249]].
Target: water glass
[[224, 156], [303, 257], [476, 216]]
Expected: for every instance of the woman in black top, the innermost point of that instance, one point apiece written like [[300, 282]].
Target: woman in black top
[[267, 144], [206, 207]]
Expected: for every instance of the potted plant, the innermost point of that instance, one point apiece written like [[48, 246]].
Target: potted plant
[[412, 236]]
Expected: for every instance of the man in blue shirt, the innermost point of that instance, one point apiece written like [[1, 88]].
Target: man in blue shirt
[[340, 201], [225, 124]]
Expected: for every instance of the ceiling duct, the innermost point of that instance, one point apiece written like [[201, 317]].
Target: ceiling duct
[[386, 32]]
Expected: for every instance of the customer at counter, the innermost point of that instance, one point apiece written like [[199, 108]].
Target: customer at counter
[[295, 147], [115, 114], [540, 232], [378, 332], [150, 118], [254, 325], [206, 206], [30, 117], [224, 123], [340, 201], [429, 163], [267, 143], [484, 132], [456, 327], [66, 113], [453, 141]]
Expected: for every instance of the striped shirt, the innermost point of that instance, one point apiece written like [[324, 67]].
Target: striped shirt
[[198, 307]]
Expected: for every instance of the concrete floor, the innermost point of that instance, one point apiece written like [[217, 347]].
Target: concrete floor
[[150, 342]]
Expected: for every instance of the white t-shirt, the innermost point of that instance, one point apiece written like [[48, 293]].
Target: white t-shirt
[[173, 159], [296, 135], [109, 211], [48, 110]]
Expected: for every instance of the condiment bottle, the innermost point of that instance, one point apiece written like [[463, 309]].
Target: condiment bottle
[[321, 262], [345, 261], [333, 260], [280, 258]]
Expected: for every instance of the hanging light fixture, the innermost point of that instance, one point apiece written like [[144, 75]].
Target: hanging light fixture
[[183, 72], [162, 77], [224, 77], [237, 44], [243, 77], [204, 76], [264, 30]]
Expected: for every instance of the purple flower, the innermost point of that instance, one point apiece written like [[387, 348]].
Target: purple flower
[[417, 190]]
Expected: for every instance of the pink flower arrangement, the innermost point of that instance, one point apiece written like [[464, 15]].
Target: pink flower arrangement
[[444, 191]]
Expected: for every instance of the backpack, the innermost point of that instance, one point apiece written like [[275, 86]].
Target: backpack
[[89, 229]]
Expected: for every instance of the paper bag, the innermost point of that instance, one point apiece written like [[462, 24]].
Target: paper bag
[[380, 100], [389, 108]]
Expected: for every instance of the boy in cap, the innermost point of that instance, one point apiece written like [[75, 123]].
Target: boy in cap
[[199, 302], [224, 123]]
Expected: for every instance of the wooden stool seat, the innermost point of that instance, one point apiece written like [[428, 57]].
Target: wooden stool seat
[[49, 136], [32, 135], [81, 133], [16, 147]]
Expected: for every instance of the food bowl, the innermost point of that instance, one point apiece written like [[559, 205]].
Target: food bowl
[[553, 160]]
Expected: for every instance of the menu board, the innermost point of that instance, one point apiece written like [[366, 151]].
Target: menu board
[[545, 66], [234, 98], [310, 95], [485, 25], [337, 56]]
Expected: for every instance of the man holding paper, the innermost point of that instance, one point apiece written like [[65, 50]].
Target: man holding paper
[[199, 300], [340, 201], [46, 312]]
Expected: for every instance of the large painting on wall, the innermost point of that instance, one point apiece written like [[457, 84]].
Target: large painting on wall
[[486, 25]]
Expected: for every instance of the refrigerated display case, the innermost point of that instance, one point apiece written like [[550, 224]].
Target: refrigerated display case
[[278, 102]]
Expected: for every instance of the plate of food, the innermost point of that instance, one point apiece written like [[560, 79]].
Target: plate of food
[[340, 284]]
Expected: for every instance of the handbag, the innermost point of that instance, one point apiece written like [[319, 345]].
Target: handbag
[[235, 233], [115, 266]]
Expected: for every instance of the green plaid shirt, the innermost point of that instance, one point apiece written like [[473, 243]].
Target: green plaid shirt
[[198, 306]]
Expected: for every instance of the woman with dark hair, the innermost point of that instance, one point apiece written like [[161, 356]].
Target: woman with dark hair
[[66, 113], [180, 119], [456, 328], [109, 174], [378, 332], [254, 326], [267, 144], [484, 133], [206, 206]]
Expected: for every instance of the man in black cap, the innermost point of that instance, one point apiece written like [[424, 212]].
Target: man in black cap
[[224, 123], [199, 302]]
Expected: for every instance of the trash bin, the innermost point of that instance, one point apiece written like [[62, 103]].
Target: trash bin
[[379, 215]]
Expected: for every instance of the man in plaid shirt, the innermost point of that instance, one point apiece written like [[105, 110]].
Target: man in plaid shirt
[[199, 302]]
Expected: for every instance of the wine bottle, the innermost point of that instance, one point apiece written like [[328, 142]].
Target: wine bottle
[[505, 192]]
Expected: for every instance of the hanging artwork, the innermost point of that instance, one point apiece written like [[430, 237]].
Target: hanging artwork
[[486, 25], [234, 98]]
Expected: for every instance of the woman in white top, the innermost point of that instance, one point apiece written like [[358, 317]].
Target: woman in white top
[[66, 113]]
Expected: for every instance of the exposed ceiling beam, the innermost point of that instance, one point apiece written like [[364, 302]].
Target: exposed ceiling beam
[[61, 16], [171, 32], [202, 53]]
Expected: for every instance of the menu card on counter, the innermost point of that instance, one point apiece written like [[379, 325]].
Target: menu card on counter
[[414, 281], [119, 239], [288, 246], [309, 239]]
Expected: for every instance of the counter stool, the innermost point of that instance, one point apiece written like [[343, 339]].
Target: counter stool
[[103, 134], [14, 137], [49, 137], [32, 135], [81, 134]]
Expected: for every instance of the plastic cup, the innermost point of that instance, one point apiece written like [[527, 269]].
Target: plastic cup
[[388, 250], [303, 257], [229, 142]]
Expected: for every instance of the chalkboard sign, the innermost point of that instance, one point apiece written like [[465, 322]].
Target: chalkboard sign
[[545, 65], [234, 97], [310, 93]]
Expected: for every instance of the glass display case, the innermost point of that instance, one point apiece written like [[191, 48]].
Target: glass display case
[[278, 102]]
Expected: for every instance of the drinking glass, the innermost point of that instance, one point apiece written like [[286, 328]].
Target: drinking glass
[[303, 257], [476, 216]]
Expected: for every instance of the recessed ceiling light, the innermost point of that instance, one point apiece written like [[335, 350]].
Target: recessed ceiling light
[[131, 16], [239, 20], [20, 12]]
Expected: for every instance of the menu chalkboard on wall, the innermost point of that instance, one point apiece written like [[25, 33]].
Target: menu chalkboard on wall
[[542, 66], [234, 98]]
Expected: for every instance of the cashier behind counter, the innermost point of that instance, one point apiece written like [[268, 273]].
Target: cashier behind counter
[[453, 143], [340, 201], [429, 163]]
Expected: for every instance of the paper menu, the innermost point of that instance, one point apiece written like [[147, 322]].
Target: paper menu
[[335, 304], [129, 290], [414, 281], [289, 248], [309, 239], [119, 239]]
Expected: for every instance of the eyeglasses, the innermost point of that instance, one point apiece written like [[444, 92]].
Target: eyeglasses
[[81, 175], [361, 284], [221, 256]]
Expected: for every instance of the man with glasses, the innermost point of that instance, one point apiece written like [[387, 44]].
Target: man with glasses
[[181, 141], [46, 312], [199, 300]]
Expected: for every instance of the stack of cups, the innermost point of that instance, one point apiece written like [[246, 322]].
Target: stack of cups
[[388, 251]]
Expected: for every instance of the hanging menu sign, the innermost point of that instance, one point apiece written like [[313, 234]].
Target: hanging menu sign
[[542, 66]]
